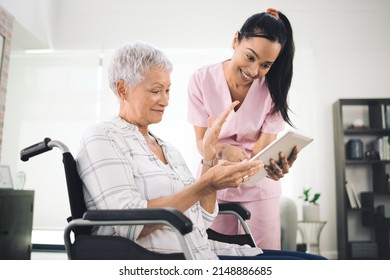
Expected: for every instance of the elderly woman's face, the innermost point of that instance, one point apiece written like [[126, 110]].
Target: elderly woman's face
[[146, 102]]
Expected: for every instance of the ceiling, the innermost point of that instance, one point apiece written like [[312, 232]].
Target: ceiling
[[105, 24]]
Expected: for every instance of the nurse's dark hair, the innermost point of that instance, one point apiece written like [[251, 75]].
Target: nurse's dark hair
[[274, 26]]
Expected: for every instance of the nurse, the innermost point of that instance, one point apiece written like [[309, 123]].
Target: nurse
[[258, 75]]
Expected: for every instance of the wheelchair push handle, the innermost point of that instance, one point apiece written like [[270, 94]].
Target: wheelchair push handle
[[35, 149]]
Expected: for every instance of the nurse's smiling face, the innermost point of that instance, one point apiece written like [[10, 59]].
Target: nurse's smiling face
[[253, 58]]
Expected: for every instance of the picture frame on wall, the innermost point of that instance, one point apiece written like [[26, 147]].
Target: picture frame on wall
[[5, 177]]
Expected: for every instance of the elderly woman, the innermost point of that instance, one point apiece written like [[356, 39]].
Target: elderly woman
[[123, 165]]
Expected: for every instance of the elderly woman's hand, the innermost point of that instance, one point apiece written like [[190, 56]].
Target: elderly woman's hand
[[214, 128], [231, 174]]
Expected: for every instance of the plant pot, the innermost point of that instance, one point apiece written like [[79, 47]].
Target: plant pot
[[311, 213]]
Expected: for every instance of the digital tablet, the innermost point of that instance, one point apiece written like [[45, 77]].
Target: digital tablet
[[285, 144]]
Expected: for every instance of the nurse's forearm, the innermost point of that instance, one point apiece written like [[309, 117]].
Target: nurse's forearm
[[199, 145]]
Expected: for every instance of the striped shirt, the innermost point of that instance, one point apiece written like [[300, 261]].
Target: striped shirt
[[119, 171]]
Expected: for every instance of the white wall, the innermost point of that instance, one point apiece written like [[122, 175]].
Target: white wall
[[343, 51], [34, 23]]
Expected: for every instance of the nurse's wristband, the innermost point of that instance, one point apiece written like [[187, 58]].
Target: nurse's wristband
[[207, 162]]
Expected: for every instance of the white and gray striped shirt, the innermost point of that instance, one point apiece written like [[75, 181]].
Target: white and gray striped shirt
[[119, 171]]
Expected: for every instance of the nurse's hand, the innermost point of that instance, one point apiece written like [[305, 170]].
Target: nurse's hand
[[276, 171], [230, 153]]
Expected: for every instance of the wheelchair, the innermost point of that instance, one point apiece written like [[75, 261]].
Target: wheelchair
[[80, 244]]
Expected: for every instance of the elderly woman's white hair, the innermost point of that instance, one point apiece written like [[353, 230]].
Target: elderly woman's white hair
[[131, 61]]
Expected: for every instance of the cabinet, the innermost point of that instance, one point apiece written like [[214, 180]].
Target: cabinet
[[363, 232], [16, 217]]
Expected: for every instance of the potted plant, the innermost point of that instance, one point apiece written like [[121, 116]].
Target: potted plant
[[311, 208]]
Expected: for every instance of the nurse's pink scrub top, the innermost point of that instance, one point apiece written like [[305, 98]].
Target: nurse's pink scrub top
[[208, 94]]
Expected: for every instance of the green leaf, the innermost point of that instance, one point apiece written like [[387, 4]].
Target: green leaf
[[307, 198]]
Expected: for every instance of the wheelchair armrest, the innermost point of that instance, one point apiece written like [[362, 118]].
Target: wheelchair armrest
[[166, 215], [229, 207], [173, 216], [242, 214]]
